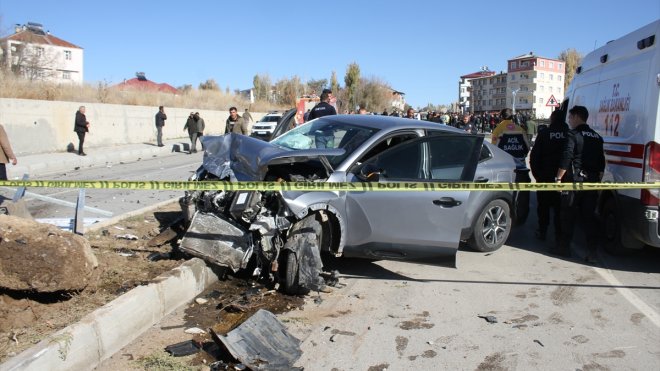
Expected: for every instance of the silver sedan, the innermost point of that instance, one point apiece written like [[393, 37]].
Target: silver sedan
[[287, 231]]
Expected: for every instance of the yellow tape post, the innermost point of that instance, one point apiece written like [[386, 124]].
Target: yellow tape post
[[321, 186]]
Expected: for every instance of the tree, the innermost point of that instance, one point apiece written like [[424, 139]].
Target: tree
[[352, 82], [374, 94], [316, 86], [209, 84], [185, 88], [334, 85], [572, 59], [288, 90], [262, 87]]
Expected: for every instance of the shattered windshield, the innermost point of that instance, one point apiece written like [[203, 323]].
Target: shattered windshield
[[322, 133]]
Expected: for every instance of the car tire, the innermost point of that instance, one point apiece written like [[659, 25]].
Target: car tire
[[492, 227], [306, 231], [617, 239]]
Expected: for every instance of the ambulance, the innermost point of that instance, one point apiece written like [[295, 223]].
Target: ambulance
[[619, 85]]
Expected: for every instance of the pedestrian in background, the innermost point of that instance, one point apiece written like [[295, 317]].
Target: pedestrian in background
[[583, 160], [468, 124], [81, 127], [6, 153], [235, 123], [160, 122], [247, 117], [544, 161], [194, 130], [532, 129], [410, 113]]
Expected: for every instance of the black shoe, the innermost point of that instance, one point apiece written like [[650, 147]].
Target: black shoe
[[161, 145], [82, 154], [540, 235], [194, 151]]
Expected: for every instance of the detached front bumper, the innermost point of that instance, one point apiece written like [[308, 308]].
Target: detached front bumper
[[218, 241]]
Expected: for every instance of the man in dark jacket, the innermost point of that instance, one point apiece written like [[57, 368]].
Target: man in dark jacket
[[160, 122], [326, 138], [195, 126], [583, 160], [81, 126], [544, 161]]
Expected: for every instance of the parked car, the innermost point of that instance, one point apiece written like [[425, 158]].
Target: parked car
[[263, 128], [286, 231]]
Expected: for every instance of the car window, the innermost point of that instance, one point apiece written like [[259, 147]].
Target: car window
[[402, 162], [448, 157], [322, 133], [451, 155], [288, 122], [387, 143]]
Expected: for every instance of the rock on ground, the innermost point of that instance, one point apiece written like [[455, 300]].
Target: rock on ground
[[41, 257]]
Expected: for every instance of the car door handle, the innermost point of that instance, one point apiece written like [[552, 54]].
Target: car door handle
[[447, 202], [481, 180]]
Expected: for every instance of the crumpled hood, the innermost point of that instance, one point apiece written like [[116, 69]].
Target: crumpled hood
[[243, 158]]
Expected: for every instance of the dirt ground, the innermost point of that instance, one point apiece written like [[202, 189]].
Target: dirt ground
[[27, 318]]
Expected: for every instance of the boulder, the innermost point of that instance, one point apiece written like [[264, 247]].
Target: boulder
[[43, 258]]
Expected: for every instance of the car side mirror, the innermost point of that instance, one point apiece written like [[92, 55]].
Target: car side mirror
[[369, 173]]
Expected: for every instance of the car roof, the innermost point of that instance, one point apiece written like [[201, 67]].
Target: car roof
[[389, 122]]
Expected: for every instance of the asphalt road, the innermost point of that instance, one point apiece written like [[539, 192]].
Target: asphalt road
[[552, 313], [110, 202]]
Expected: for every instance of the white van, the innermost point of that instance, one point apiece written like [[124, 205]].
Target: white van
[[619, 85]]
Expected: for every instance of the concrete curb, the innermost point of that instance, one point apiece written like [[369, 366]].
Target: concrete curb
[[100, 334]]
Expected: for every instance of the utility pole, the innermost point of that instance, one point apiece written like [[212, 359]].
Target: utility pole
[[513, 104]]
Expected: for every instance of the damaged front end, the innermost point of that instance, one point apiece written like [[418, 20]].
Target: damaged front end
[[231, 228]]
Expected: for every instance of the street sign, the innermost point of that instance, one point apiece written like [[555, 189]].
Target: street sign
[[552, 102]]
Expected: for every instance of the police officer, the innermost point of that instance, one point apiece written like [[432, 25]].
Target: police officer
[[544, 161], [583, 160], [325, 138], [323, 108]]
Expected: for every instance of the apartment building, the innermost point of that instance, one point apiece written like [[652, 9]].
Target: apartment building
[[465, 88], [488, 93], [35, 54], [536, 83]]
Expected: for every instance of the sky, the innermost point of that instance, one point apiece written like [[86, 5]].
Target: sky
[[419, 47]]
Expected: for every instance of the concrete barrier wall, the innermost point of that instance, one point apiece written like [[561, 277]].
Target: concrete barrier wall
[[36, 126]]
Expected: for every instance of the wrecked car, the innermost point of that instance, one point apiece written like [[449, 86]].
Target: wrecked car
[[285, 232]]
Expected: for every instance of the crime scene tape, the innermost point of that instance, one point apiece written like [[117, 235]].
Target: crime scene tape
[[321, 186]]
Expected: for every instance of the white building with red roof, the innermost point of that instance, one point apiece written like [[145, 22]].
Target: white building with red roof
[[35, 54]]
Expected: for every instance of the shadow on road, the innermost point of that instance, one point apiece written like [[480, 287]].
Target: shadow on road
[[646, 260]]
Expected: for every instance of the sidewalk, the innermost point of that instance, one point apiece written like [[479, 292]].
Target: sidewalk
[[41, 164]]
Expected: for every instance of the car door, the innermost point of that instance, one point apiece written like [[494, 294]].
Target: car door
[[416, 226]]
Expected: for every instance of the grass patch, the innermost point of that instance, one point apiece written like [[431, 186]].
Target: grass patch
[[161, 361], [14, 87]]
